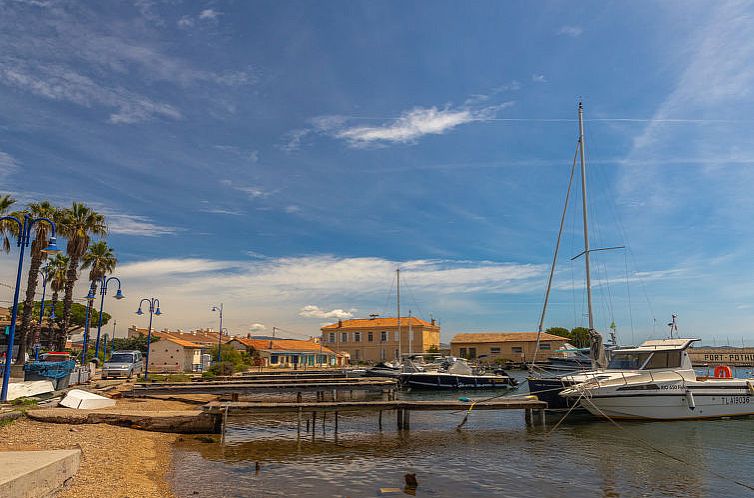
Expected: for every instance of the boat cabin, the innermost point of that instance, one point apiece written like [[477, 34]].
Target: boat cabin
[[653, 355]]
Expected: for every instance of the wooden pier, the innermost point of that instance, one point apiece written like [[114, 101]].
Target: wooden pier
[[278, 386], [402, 408]]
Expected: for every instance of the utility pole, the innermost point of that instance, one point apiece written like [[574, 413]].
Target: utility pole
[[398, 305]]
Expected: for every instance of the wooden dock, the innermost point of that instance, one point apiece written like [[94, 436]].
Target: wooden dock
[[293, 386], [403, 408]]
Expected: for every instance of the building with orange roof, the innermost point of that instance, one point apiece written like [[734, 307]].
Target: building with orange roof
[[173, 355], [293, 353], [378, 339], [516, 347], [204, 337]]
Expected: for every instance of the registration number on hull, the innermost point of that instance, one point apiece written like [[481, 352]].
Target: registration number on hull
[[735, 400]]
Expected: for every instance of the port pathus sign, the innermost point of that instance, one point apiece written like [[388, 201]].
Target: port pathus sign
[[722, 356]]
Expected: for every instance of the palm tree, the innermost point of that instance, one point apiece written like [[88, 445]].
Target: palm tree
[[77, 224], [41, 235], [101, 260], [56, 273], [6, 201]]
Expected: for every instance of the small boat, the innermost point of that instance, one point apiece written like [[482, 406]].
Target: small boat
[[656, 381], [384, 369], [457, 375]]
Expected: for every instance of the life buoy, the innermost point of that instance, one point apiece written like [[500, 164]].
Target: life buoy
[[723, 372]]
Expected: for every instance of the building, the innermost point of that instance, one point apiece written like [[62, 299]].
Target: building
[[288, 353], [204, 337], [172, 355], [376, 339], [517, 347]]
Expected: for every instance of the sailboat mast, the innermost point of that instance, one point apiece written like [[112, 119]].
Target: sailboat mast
[[586, 225], [398, 306]]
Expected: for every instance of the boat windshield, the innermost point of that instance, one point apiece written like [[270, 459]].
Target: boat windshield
[[628, 361]]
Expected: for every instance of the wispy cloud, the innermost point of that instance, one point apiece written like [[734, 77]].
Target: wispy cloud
[[129, 224], [252, 191], [8, 164], [538, 78], [572, 31], [313, 311], [409, 127]]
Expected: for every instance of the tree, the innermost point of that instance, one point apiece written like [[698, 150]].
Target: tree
[[7, 227], [559, 331], [100, 260], [138, 343], [78, 315], [40, 240], [77, 223], [56, 269], [580, 337], [433, 349]]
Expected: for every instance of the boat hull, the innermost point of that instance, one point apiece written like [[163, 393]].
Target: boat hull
[[670, 407], [450, 381], [549, 389]]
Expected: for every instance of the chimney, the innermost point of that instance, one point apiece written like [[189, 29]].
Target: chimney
[[340, 323], [248, 336], [433, 322]]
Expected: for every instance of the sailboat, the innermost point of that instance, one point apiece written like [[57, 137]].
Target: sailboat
[[548, 387]]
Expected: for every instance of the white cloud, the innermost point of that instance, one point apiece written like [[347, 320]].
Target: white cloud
[[538, 78], [572, 31], [175, 268], [254, 156], [209, 14], [8, 164], [253, 191], [257, 327], [185, 22], [313, 311], [292, 209]]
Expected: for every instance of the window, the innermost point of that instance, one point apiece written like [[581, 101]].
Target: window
[[344, 337], [383, 336], [517, 350], [462, 353], [332, 337], [383, 355], [544, 346], [357, 337], [664, 359], [397, 356], [370, 336], [628, 361], [395, 336], [495, 350], [357, 354], [472, 353]]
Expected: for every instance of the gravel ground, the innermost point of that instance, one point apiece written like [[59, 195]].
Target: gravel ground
[[116, 461]]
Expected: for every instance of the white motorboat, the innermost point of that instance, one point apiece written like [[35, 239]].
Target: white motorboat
[[656, 381]]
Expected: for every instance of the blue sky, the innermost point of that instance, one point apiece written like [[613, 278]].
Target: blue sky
[[285, 157]]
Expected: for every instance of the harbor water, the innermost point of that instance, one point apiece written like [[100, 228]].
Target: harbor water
[[494, 454]]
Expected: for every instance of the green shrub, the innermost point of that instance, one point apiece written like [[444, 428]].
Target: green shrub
[[223, 368]]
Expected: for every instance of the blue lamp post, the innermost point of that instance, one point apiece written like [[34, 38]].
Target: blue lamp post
[[22, 241], [89, 304], [37, 345], [154, 309], [103, 291], [220, 333]]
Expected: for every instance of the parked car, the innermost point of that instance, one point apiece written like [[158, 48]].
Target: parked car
[[123, 364]]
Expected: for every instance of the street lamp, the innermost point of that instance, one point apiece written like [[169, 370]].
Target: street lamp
[[37, 345], [154, 309], [220, 333], [89, 304], [22, 241], [103, 290]]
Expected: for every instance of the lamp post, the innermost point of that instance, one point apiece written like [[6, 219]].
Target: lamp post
[[89, 304], [154, 309], [22, 241], [37, 345], [104, 348], [220, 333], [103, 290]]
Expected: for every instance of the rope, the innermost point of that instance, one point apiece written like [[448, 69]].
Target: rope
[[466, 418], [567, 413], [669, 455]]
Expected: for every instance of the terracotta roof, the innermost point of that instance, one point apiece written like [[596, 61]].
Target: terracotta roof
[[504, 337], [180, 342], [363, 323], [283, 345], [198, 337]]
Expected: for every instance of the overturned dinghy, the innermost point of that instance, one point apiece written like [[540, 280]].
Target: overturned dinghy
[[84, 400]]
